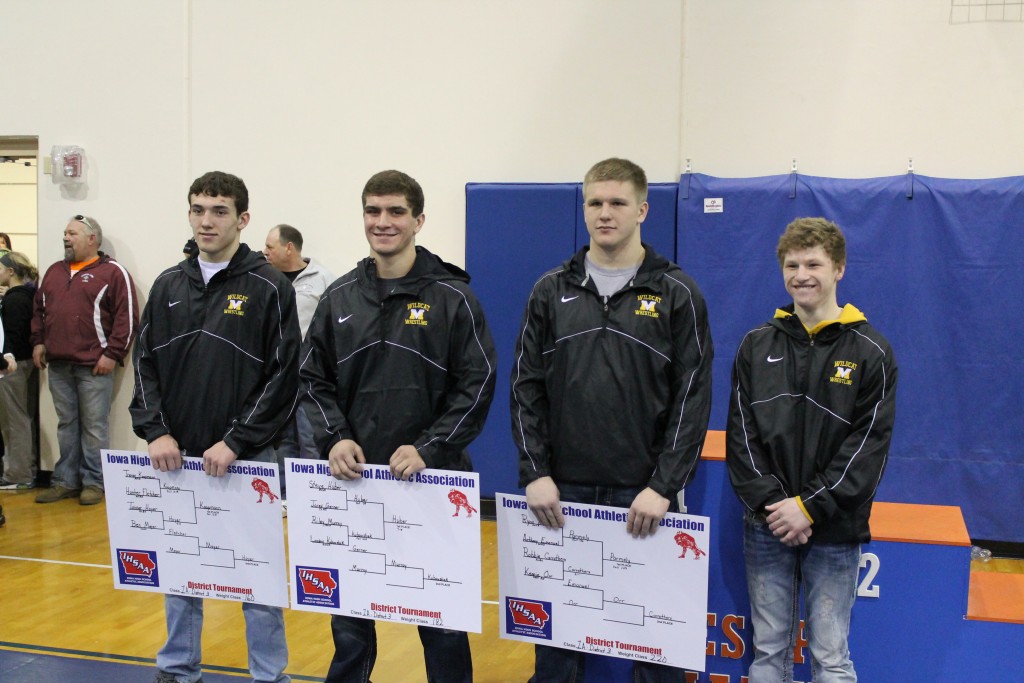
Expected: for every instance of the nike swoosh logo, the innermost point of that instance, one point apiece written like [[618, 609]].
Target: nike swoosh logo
[[173, 303], [567, 299], [341, 320], [774, 360]]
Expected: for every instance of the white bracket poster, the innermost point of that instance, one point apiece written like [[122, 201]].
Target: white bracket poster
[[591, 586], [186, 533], [385, 549]]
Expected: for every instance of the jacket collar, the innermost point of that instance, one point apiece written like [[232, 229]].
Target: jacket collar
[[427, 268], [649, 274], [100, 258], [786, 320], [242, 261]]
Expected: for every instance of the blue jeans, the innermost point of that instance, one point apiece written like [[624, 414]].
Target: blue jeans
[[446, 653], [775, 573], [296, 442], [557, 665], [182, 654], [82, 401]]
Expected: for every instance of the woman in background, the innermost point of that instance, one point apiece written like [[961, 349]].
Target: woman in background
[[5, 246], [19, 385]]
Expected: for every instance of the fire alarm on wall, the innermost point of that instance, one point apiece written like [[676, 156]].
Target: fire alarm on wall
[[67, 164]]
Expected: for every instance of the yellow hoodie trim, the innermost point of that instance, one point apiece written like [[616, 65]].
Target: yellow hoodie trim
[[849, 314]]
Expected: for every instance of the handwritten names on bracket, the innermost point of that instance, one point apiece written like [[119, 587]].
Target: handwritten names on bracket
[[591, 586], [391, 542], [183, 531]]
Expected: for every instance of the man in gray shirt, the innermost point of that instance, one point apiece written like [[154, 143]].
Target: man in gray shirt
[[283, 250]]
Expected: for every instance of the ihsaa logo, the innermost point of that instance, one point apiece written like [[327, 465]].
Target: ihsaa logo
[[317, 586], [137, 568], [528, 618]]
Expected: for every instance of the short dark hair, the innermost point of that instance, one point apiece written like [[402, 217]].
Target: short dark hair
[[395, 182], [807, 233], [7, 240], [286, 234], [622, 170], [220, 184]]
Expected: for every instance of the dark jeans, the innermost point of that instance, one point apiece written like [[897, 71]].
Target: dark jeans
[[557, 665], [446, 653], [296, 442]]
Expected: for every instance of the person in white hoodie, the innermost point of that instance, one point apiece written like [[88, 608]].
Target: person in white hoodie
[[283, 250]]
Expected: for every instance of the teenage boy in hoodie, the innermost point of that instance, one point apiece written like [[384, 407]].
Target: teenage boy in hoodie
[[810, 418], [216, 374], [399, 366], [611, 382]]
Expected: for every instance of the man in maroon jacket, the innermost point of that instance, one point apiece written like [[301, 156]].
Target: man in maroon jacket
[[84, 322]]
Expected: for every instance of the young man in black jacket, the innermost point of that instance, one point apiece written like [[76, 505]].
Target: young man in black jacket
[[611, 381], [810, 418], [398, 365], [216, 375]]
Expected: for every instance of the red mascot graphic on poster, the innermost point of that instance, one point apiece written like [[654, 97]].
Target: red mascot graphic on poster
[[262, 487], [687, 542], [459, 500]]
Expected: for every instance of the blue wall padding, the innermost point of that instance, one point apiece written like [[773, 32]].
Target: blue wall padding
[[935, 264], [514, 233]]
